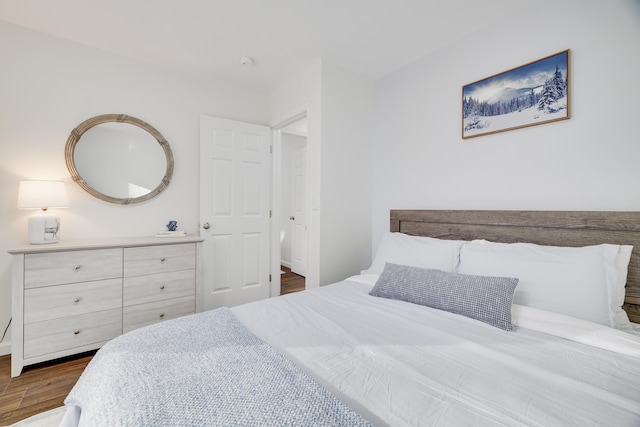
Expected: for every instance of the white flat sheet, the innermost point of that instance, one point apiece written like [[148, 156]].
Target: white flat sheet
[[406, 365]]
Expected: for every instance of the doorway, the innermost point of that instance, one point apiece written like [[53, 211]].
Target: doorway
[[227, 178], [295, 124], [293, 205]]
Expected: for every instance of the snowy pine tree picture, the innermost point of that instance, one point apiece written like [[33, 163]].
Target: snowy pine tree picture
[[532, 94]]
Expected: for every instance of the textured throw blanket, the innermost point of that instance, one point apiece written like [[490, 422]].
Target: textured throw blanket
[[201, 370]]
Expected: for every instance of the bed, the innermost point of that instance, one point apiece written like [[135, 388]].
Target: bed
[[464, 318]]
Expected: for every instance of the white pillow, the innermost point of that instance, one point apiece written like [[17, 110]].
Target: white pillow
[[616, 296], [416, 251], [581, 282]]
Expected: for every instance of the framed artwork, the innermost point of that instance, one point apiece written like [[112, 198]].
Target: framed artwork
[[529, 95]]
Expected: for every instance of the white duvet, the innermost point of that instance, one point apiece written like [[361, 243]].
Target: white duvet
[[401, 364]]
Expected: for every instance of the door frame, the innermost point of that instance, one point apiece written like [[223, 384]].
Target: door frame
[[276, 182]]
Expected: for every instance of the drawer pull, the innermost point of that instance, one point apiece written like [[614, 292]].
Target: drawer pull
[[162, 316], [76, 299], [162, 288], [76, 332], [77, 267], [163, 259]]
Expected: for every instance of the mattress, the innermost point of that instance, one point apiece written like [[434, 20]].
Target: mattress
[[401, 364]]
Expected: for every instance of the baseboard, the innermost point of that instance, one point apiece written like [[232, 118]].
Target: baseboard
[[5, 348], [285, 264]]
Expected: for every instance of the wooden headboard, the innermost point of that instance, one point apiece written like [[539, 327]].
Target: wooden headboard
[[541, 227]]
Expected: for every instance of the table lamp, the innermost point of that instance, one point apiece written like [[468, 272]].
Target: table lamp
[[43, 227]]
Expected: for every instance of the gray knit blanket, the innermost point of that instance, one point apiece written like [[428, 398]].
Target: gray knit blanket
[[201, 370]]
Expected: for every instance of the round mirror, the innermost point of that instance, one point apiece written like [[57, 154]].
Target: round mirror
[[119, 158]]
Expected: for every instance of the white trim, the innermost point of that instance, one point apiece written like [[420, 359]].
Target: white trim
[[276, 254], [295, 115], [285, 264]]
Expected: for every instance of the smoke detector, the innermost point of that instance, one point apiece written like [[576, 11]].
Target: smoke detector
[[246, 61]]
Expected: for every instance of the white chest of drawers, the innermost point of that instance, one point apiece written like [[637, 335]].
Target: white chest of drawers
[[76, 295]]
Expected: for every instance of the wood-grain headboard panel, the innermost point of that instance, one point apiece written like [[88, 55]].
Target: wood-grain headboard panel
[[555, 228]]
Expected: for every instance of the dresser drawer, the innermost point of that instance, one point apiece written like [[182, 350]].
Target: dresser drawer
[[69, 332], [159, 259], [69, 297], [53, 302], [157, 287], [136, 316], [46, 269]]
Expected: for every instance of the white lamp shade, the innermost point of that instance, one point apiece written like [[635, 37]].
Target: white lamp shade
[[42, 195]]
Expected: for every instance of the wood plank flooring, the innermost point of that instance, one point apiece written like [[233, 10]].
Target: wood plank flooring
[[40, 387], [290, 282], [44, 386]]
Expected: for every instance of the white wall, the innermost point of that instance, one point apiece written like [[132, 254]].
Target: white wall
[[339, 107], [346, 193], [48, 86], [589, 162]]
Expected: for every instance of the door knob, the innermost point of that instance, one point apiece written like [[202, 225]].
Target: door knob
[[206, 226], [292, 218]]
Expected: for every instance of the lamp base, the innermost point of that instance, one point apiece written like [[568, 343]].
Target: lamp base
[[44, 229]]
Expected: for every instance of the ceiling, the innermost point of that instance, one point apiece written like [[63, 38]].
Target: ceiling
[[208, 37]]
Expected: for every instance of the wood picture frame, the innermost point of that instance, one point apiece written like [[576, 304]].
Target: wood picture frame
[[531, 94]]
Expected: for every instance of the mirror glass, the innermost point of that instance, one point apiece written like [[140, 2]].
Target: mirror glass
[[119, 158]]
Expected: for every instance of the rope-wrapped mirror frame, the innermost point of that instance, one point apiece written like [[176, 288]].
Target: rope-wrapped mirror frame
[[83, 127]]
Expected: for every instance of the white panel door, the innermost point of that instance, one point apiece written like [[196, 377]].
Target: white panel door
[[299, 220], [235, 172]]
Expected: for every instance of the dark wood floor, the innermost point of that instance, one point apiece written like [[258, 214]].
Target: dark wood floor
[[290, 282], [40, 387], [44, 386]]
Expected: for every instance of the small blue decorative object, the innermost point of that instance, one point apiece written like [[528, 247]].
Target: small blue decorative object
[[172, 226]]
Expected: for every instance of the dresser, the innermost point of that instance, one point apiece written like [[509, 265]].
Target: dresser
[[75, 295]]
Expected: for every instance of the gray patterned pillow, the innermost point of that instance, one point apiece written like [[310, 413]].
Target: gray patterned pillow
[[484, 298]]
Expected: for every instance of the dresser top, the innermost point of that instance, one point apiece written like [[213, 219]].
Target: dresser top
[[102, 243]]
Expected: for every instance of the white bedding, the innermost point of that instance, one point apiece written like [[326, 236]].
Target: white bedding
[[207, 369], [401, 364], [407, 365]]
